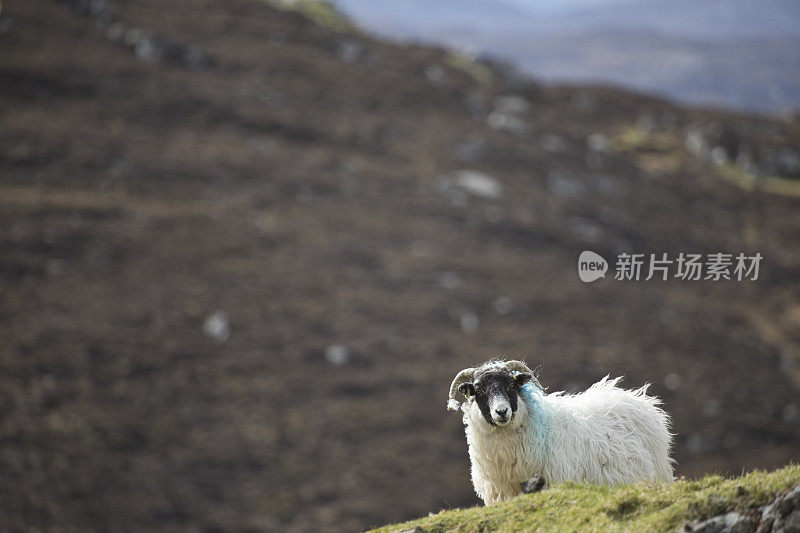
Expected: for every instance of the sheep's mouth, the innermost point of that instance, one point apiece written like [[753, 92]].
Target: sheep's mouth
[[501, 422]]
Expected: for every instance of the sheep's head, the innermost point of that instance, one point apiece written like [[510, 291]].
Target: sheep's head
[[494, 386]]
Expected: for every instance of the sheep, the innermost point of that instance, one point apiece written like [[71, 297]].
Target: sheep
[[605, 435]]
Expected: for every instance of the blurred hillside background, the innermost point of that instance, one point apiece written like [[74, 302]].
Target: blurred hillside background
[[244, 248]]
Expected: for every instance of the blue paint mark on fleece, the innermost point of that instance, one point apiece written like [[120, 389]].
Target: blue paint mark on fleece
[[538, 417]]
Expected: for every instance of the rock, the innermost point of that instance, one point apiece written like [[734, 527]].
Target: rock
[[503, 305], [350, 51], [509, 122], [511, 104], [449, 280], [646, 124], [151, 48], [479, 184], [788, 160], [146, 45], [534, 484], [434, 74], [148, 49], [719, 155], [415, 530], [116, 32], [727, 523], [472, 182], [597, 142], [506, 114], [561, 184], [337, 354], [782, 515], [217, 326], [791, 522], [696, 142]]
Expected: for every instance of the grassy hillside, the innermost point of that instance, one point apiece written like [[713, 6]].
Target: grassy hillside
[[630, 508]]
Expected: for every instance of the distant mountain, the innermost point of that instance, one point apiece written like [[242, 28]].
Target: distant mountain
[[699, 19], [757, 74], [737, 53], [424, 19]]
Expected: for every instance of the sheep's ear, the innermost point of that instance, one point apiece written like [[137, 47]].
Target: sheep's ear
[[467, 389], [522, 378]]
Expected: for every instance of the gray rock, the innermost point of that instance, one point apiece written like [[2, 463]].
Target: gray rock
[[503, 305], [727, 523], [507, 114], [351, 51], [478, 184], [449, 280], [790, 522], [217, 326], [510, 122], [782, 515], [511, 104], [337, 354], [696, 142], [472, 182], [598, 142], [561, 184], [788, 161], [116, 32], [435, 74]]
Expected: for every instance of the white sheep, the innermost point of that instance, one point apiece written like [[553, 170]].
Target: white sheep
[[606, 435]]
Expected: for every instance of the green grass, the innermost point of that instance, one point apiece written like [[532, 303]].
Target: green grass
[[748, 182], [473, 68], [321, 12], [573, 507]]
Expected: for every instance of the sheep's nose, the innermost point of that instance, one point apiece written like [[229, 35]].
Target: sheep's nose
[[502, 412]]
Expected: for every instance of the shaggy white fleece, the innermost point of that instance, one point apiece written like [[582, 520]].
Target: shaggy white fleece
[[605, 435]]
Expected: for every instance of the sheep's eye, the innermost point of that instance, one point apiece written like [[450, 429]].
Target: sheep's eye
[[511, 385]]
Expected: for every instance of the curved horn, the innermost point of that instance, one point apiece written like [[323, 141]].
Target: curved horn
[[463, 376], [519, 366]]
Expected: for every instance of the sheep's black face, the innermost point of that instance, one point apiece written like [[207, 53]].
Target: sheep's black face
[[496, 393]]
